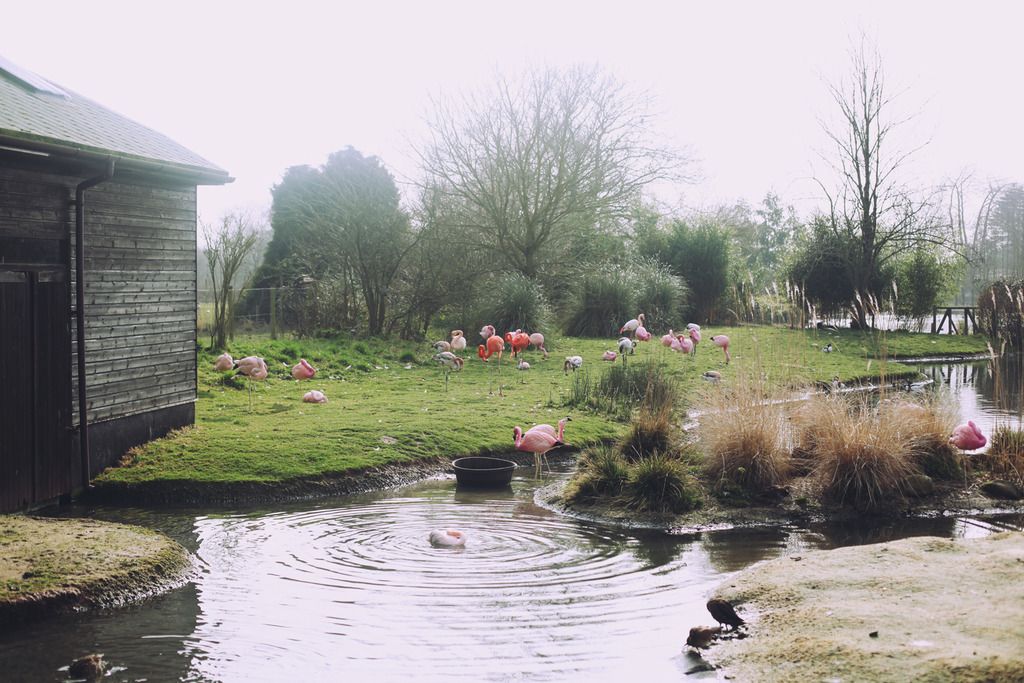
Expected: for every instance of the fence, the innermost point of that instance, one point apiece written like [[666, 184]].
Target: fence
[[301, 310]]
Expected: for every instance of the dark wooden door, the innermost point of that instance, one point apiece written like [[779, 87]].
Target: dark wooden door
[[35, 391]]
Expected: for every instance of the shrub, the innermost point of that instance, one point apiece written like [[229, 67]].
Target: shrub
[[860, 455], [658, 483], [649, 432], [513, 302], [603, 300], [745, 440], [602, 473], [646, 383], [662, 296]]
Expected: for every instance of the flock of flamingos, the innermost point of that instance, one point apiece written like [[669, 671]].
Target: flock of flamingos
[[542, 438]]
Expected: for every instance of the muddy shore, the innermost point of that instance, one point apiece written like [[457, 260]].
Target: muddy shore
[[918, 609], [53, 566]]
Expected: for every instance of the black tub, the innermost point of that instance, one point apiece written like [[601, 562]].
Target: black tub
[[483, 473]]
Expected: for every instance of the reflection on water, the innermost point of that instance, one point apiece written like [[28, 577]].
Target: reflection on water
[[990, 394], [349, 588]]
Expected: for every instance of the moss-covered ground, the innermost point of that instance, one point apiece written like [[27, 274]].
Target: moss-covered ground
[[388, 404]]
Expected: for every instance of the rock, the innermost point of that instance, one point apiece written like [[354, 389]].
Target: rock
[[918, 485], [1002, 490]]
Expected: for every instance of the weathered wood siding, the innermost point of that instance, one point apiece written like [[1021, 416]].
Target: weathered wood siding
[[35, 349], [140, 298]]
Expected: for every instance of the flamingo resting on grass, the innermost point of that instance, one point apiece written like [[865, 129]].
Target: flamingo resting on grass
[[573, 363], [314, 396], [642, 334], [609, 355], [448, 538], [224, 362], [442, 346], [522, 365], [303, 370], [722, 341], [536, 441], [967, 437], [458, 341], [537, 339], [667, 339]]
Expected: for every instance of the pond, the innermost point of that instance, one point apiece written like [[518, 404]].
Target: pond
[[350, 588]]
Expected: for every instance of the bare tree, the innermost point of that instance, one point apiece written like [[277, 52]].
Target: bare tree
[[528, 165], [229, 245], [871, 208]]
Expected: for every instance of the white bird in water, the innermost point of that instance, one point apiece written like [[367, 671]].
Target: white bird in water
[[447, 538]]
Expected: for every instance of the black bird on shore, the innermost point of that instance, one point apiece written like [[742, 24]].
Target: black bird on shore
[[701, 636], [723, 613]]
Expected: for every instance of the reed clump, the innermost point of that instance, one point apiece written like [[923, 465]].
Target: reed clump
[[659, 483], [860, 453], [1005, 455], [745, 440], [650, 431], [602, 472], [924, 428]]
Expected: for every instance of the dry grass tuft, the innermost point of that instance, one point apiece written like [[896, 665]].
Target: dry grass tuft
[[860, 453], [745, 439], [1005, 456], [924, 428], [650, 431]]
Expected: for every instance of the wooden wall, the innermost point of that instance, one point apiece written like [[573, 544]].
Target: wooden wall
[[140, 298]]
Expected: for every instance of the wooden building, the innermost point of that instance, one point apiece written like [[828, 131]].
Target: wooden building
[[97, 240]]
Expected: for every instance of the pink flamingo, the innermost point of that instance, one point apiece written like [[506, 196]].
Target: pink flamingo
[[722, 341], [609, 355], [487, 331], [303, 370], [518, 340], [224, 362], [494, 345], [458, 342], [537, 339], [314, 396], [694, 337], [642, 334], [631, 325], [448, 537], [668, 339], [254, 368], [968, 437], [536, 441], [683, 344], [551, 430]]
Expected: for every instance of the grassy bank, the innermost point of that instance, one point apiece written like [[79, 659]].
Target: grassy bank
[[387, 402]]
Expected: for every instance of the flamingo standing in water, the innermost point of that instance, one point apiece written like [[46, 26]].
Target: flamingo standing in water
[[536, 441], [224, 362], [722, 341], [458, 341], [303, 370], [537, 339], [551, 430], [967, 437], [631, 325]]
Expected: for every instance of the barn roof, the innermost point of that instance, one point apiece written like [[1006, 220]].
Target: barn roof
[[37, 114]]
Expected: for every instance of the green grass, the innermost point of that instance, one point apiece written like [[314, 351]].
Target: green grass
[[388, 404]]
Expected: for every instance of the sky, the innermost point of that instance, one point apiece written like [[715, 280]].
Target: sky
[[742, 86]]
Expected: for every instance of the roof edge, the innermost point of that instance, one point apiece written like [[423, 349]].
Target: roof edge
[[202, 175]]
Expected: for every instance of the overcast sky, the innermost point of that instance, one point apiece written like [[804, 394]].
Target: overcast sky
[[257, 88]]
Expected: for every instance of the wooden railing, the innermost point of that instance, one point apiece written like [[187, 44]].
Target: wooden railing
[[970, 324]]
